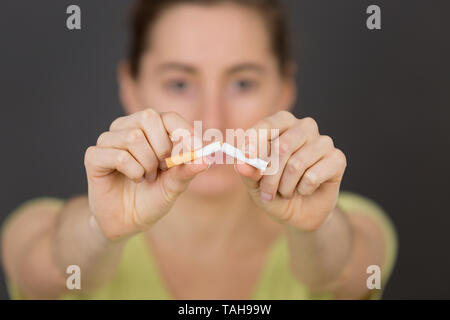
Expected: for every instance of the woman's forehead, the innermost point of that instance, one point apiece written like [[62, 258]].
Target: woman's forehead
[[208, 33]]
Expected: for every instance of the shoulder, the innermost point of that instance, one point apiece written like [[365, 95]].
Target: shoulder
[[32, 208], [19, 228], [372, 219], [357, 205]]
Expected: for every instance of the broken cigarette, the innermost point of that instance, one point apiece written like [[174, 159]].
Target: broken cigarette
[[210, 149], [190, 156]]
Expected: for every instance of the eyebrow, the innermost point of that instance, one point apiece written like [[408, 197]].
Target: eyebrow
[[176, 66], [247, 67]]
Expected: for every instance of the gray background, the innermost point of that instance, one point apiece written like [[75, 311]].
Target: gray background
[[383, 96]]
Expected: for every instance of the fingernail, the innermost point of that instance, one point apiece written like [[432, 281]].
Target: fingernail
[[266, 196]]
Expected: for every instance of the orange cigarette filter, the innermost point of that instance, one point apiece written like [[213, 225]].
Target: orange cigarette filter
[[192, 155], [180, 159]]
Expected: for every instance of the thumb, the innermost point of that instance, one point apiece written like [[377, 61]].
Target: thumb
[[251, 178], [175, 180], [250, 175]]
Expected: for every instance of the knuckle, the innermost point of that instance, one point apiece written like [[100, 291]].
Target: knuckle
[[171, 115], [148, 115], [310, 179], [115, 123], [283, 147], [263, 124], [310, 123], [122, 158], [134, 135], [101, 138], [285, 114], [327, 141], [88, 155], [295, 165], [341, 157]]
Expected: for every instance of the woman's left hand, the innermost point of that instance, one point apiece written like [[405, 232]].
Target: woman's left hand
[[305, 188]]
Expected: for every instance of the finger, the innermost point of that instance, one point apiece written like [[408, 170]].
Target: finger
[[176, 180], [152, 125], [173, 121], [250, 175], [285, 122], [135, 142], [269, 129], [282, 149], [181, 131], [300, 161], [100, 162], [329, 169], [282, 121]]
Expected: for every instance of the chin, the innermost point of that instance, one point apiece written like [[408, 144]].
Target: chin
[[217, 180]]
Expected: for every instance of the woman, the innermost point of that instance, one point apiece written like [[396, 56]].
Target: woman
[[203, 230]]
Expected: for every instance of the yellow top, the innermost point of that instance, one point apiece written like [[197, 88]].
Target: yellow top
[[138, 276]]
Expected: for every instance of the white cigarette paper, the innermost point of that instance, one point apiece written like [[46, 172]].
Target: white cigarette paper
[[238, 154], [209, 149]]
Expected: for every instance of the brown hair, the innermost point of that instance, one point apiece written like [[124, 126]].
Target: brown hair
[[146, 12]]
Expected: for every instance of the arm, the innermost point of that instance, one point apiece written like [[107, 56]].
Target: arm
[[334, 258], [127, 194], [44, 237], [330, 248]]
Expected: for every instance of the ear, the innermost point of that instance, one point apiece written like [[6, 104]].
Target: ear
[[128, 92], [288, 94]]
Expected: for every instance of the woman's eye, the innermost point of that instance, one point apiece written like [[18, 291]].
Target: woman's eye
[[178, 86], [243, 85]]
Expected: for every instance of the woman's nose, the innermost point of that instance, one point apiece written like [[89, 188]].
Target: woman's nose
[[213, 112]]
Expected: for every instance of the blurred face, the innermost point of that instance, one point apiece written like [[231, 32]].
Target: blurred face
[[213, 64]]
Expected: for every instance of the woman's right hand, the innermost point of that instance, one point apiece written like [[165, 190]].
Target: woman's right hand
[[127, 192]]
